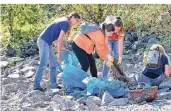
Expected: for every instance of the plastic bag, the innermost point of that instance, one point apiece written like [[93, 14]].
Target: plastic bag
[[96, 86], [72, 77]]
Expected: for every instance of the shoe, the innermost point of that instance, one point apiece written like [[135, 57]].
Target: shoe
[[56, 89], [40, 89]]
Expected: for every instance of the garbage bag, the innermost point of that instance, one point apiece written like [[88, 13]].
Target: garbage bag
[[73, 76], [96, 86]]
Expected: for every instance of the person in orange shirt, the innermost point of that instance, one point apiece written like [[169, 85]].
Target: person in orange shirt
[[115, 41], [84, 46]]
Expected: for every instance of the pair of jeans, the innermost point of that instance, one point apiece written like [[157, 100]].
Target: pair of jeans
[[113, 46], [85, 60], [154, 82], [46, 55]]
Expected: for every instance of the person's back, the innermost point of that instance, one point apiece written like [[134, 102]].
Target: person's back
[[52, 32], [97, 39], [155, 74]]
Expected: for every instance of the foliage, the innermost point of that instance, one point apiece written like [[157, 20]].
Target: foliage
[[22, 22]]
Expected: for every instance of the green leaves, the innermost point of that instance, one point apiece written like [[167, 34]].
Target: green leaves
[[21, 22]]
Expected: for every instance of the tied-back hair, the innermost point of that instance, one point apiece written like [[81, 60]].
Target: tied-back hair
[[76, 15], [117, 21], [158, 47], [109, 27]]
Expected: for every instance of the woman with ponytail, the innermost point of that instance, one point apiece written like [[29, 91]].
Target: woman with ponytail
[[85, 44], [115, 41], [55, 32]]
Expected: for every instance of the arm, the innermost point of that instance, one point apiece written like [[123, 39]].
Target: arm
[[59, 45], [120, 46], [167, 72]]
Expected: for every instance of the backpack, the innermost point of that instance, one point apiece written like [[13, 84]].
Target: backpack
[[88, 27], [153, 59]]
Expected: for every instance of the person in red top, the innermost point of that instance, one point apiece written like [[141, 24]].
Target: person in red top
[[115, 41]]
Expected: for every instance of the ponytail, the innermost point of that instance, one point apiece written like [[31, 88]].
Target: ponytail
[[108, 27]]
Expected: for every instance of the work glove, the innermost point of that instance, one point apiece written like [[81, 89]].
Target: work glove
[[119, 60], [110, 61]]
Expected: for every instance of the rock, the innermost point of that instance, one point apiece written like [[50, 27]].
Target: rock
[[93, 99], [58, 99], [3, 97], [34, 63], [11, 52], [3, 58], [4, 64], [6, 72], [40, 104], [8, 81], [163, 90], [16, 59], [164, 95], [106, 98], [93, 107], [27, 68], [82, 100], [119, 102], [29, 74], [29, 49], [9, 88], [69, 104], [14, 75], [166, 83], [20, 65], [36, 96]]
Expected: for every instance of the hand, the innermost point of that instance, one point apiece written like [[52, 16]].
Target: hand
[[110, 63], [120, 60], [59, 59]]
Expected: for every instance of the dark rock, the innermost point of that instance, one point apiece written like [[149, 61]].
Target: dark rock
[[11, 52]]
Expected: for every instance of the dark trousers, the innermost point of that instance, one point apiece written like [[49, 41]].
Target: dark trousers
[[85, 60]]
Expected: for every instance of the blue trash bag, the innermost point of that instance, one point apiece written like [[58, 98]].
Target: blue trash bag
[[96, 86], [72, 77], [115, 88], [68, 57]]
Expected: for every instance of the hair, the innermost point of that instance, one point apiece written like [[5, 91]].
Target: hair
[[158, 47], [109, 27], [76, 15], [118, 22]]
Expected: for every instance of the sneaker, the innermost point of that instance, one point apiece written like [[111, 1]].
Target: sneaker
[[56, 89], [40, 89]]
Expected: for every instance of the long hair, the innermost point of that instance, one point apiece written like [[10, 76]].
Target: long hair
[[117, 21], [109, 27], [76, 15]]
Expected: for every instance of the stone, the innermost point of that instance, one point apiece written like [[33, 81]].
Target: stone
[[9, 88], [4, 64], [93, 107], [93, 99], [29, 74], [106, 98], [11, 52], [14, 75], [82, 100], [119, 102], [164, 95], [27, 68], [166, 83]]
